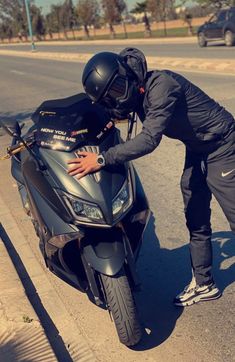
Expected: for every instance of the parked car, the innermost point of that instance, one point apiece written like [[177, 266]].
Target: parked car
[[221, 26]]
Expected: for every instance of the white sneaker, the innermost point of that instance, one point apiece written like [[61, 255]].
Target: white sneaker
[[194, 293]]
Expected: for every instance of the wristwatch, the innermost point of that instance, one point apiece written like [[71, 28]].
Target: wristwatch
[[101, 160]]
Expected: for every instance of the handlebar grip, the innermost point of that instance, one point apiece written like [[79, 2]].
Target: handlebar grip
[[14, 147]]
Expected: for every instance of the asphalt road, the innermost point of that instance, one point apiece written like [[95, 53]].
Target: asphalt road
[[202, 333], [214, 50]]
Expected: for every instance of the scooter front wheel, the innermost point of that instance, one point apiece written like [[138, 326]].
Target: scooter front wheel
[[122, 307]]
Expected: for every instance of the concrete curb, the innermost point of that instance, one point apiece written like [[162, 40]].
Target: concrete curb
[[220, 66], [170, 40], [60, 327]]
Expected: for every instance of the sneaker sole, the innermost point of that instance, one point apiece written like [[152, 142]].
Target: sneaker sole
[[197, 299]]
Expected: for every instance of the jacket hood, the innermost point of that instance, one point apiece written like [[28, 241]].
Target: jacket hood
[[136, 60]]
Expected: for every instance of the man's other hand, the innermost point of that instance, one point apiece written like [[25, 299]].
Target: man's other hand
[[85, 163]]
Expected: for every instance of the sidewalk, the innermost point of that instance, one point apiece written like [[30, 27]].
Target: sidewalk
[[22, 337]]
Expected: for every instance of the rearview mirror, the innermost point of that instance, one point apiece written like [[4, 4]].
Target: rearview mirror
[[12, 128]]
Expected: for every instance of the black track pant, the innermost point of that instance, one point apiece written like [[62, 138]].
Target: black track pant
[[202, 177]]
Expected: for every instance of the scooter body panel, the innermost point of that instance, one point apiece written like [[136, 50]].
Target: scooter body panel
[[75, 250]]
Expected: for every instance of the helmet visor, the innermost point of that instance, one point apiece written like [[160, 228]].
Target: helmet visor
[[117, 89]]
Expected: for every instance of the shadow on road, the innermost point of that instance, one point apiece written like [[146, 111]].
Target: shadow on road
[[224, 258], [12, 116], [164, 273]]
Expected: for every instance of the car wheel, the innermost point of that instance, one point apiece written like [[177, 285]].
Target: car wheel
[[229, 38], [202, 40]]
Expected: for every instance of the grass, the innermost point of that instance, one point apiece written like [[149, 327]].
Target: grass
[[175, 32], [27, 319], [155, 34]]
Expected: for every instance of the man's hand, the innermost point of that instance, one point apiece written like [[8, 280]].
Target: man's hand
[[83, 165]]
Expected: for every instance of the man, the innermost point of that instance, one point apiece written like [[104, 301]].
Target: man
[[168, 104]]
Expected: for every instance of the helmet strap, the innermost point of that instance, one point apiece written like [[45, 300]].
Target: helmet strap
[[132, 120]]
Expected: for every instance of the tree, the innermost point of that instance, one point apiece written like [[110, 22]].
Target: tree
[[5, 31], [158, 10], [53, 20], [188, 20], [113, 10], [88, 14], [38, 21], [186, 15], [66, 16], [62, 17], [12, 13], [141, 8], [14, 19]]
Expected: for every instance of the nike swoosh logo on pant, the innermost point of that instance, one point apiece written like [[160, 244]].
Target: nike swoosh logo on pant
[[224, 174]]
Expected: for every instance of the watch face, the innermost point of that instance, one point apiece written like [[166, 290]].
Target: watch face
[[100, 160]]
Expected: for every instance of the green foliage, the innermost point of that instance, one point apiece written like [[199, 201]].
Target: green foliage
[[27, 319], [140, 7]]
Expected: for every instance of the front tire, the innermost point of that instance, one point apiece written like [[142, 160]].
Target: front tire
[[122, 307], [229, 38], [202, 40]]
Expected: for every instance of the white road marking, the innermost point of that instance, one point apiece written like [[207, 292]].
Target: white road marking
[[17, 72]]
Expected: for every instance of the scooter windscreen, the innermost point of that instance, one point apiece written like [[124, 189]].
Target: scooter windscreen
[[66, 124]]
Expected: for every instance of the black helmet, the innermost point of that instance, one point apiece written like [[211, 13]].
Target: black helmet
[[108, 79]]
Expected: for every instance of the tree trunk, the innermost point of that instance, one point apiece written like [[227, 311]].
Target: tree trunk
[[190, 30], [112, 32], [164, 21], [124, 28], [65, 34], [147, 32], [86, 30], [73, 33]]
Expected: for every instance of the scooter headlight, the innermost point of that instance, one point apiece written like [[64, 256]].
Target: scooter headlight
[[123, 200], [85, 211]]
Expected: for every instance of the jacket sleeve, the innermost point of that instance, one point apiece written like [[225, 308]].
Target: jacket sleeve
[[160, 102]]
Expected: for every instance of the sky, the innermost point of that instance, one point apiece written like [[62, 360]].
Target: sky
[[45, 4]]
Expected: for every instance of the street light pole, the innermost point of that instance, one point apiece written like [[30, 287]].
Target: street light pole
[[29, 24]]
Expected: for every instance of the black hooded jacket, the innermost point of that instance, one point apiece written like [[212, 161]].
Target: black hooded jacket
[[174, 107]]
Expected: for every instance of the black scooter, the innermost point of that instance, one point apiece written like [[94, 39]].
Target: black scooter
[[90, 230]]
